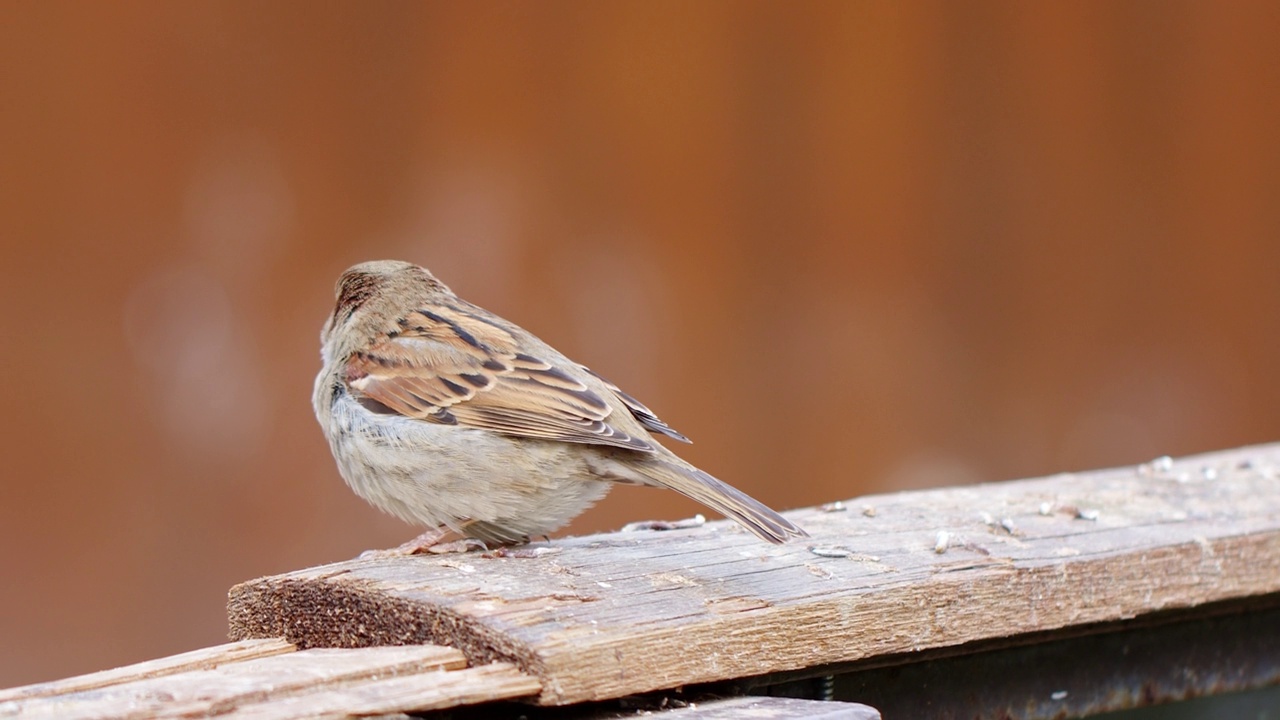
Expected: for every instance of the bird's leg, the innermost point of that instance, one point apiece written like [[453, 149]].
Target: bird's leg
[[421, 544]]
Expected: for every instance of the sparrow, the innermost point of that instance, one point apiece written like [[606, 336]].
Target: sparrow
[[446, 415]]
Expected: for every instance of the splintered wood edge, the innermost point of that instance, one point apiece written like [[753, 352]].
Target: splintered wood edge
[[978, 599], [311, 614]]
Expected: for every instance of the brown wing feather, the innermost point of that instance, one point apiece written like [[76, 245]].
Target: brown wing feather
[[453, 365], [646, 416]]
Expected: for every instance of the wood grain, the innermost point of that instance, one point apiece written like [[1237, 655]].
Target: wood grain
[[410, 693], [311, 683], [202, 659], [608, 615]]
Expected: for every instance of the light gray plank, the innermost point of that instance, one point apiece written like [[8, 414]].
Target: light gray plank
[[202, 659], [229, 686], [758, 708]]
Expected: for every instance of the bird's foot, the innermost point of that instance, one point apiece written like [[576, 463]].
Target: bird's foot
[[424, 543], [458, 546]]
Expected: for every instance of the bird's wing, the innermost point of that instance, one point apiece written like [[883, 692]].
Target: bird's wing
[[455, 365], [646, 416]]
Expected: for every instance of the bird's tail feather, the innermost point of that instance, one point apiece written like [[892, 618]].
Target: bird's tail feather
[[726, 499]]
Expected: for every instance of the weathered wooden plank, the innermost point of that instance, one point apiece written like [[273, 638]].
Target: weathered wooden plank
[[202, 659], [608, 615], [410, 693], [229, 686]]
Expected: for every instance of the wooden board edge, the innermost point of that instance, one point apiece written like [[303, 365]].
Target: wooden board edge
[[203, 658], [377, 620]]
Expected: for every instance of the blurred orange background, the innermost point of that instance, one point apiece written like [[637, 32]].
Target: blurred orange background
[[847, 247]]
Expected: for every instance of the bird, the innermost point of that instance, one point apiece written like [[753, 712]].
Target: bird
[[447, 416]]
